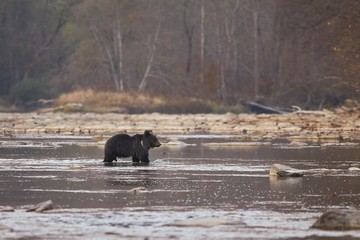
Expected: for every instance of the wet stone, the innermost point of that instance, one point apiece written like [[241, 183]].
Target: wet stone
[[203, 222], [138, 190], [339, 220], [77, 167], [354, 169], [6, 209], [285, 171], [41, 207]]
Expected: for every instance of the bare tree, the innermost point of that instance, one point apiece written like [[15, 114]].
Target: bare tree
[[237, 49], [46, 43], [113, 57], [151, 59], [120, 56], [202, 43], [222, 91], [256, 48], [109, 24], [189, 26]]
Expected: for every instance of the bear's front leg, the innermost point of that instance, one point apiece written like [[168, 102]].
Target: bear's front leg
[[145, 159], [109, 158], [135, 159]]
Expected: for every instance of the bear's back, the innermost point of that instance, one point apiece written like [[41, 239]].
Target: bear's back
[[119, 138], [121, 144]]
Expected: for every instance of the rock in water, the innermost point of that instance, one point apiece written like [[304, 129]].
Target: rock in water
[[41, 207], [138, 190], [354, 169], [338, 220], [6, 209], [76, 167], [202, 222], [285, 171]]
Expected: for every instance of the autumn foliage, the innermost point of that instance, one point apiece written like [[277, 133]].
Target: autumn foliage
[[279, 52]]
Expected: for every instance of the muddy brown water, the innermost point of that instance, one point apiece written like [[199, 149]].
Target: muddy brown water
[[195, 177]]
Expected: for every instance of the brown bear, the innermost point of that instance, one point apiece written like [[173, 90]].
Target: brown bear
[[137, 147]]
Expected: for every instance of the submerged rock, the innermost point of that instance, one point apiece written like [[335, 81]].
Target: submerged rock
[[41, 207], [285, 184], [77, 167], [285, 171], [138, 190], [326, 171], [338, 220], [202, 222]]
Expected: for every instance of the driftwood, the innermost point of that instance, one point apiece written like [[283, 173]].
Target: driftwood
[[258, 108]]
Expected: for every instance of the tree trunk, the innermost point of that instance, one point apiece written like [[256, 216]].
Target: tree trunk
[[189, 30], [120, 57], [151, 59], [223, 55], [256, 52], [202, 44]]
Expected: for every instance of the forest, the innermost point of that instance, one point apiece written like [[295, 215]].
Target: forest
[[277, 52]]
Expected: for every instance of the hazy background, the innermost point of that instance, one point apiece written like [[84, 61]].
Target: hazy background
[[279, 52]]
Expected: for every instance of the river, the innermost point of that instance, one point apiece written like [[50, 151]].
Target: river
[[196, 186]]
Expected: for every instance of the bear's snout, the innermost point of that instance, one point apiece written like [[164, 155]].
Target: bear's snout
[[158, 144]]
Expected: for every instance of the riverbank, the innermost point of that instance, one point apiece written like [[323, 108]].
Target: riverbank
[[342, 124]]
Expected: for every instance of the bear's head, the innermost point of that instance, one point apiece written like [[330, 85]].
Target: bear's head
[[149, 140]]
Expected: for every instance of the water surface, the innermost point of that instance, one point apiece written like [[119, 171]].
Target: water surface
[[195, 177]]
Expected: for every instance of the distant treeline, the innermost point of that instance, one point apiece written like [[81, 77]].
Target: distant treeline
[[278, 52]]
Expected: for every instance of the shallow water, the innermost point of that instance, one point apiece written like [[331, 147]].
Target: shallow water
[[192, 177]]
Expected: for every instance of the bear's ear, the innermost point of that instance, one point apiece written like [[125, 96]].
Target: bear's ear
[[147, 132]]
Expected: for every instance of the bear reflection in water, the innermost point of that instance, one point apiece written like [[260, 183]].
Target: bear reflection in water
[[137, 147]]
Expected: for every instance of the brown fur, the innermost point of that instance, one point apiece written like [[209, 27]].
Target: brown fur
[[137, 147]]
